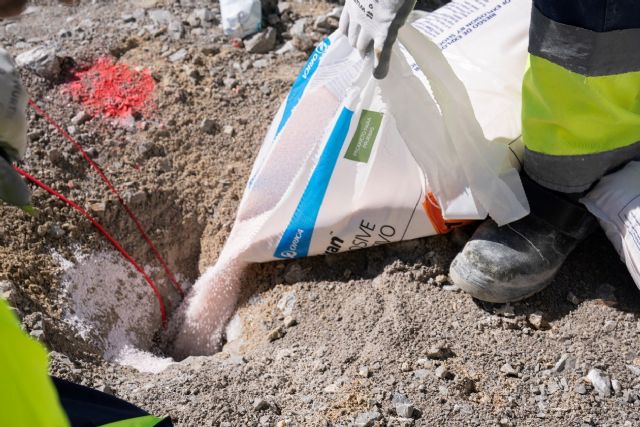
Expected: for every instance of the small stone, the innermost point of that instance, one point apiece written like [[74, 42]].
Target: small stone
[[287, 303], [600, 381], [283, 6], [367, 419], [80, 118], [505, 310], [628, 396], [610, 325], [580, 389], [363, 371], [553, 388], [290, 321], [616, 386], [275, 334], [634, 369], [263, 42], [228, 130], [443, 373], [37, 334], [537, 321], [509, 370], [204, 15], [298, 27], [566, 361], [260, 404], [439, 351], [286, 48], [405, 367], [399, 398], [281, 423], [303, 43], [451, 288], [41, 60], [178, 56], [209, 126], [420, 374], [105, 388], [441, 279], [98, 208], [404, 410]]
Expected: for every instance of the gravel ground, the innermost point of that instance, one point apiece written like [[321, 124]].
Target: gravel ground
[[376, 337]]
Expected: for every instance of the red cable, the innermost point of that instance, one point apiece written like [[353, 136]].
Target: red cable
[[106, 234], [113, 189]]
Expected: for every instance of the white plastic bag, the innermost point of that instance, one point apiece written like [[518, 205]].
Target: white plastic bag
[[615, 201], [347, 164], [241, 18]]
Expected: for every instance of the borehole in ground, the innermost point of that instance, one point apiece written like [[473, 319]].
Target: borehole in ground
[[107, 303]]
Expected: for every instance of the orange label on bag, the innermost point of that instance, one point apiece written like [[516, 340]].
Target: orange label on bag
[[434, 213]]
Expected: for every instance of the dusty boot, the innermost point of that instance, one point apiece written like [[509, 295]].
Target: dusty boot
[[513, 262]]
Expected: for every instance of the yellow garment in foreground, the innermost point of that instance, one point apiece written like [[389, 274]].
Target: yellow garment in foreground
[[567, 114], [27, 395]]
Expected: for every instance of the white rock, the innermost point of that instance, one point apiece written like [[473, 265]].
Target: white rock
[[600, 381], [287, 303], [263, 42], [41, 60], [367, 419], [404, 410]]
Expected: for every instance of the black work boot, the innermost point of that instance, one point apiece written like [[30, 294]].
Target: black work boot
[[513, 262]]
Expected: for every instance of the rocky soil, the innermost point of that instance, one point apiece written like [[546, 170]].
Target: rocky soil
[[371, 338]]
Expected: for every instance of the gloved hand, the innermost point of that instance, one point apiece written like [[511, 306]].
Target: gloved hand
[[375, 23], [13, 132]]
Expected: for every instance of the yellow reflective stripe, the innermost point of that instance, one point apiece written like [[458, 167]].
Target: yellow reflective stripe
[[565, 113], [145, 421], [27, 395]]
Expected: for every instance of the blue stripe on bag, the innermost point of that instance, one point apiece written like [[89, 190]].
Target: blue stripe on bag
[[301, 82], [296, 239]]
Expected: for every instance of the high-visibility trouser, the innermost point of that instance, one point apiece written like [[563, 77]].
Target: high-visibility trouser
[[581, 93], [29, 397]]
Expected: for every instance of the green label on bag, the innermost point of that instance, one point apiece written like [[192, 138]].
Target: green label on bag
[[362, 142]]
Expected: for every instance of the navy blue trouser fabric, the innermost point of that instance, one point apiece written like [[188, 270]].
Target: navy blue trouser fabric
[[86, 407], [594, 15]]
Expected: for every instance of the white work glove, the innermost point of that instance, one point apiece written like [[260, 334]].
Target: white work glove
[[375, 23], [13, 133], [13, 104]]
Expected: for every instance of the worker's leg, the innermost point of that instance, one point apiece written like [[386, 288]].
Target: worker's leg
[[581, 119], [581, 94]]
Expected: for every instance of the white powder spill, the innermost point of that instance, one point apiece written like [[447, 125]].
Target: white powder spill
[[111, 306], [234, 328]]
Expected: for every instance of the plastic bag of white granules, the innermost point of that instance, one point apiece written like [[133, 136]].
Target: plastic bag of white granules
[[351, 162], [240, 18], [615, 201]]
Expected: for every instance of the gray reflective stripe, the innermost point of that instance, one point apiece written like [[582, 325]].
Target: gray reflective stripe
[[584, 51], [574, 174]]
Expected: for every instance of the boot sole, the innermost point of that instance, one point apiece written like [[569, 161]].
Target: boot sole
[[480, 286]]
